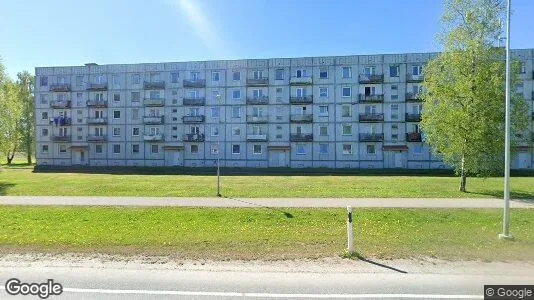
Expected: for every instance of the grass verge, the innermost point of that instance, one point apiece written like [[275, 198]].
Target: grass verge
[[224, 233]]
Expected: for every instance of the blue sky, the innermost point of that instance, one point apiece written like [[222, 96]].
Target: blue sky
[[66, 32]]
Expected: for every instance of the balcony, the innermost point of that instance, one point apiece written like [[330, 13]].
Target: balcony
[[153, 120], [377, 98], [60, 87], [190, 137], [301, 100], [154, 102], [303, 80], [412, 117], [154, 85], [97, 103], [371, 117], [97, 87], [413, 97], [413, 137], [193, 119], [97, 121], [261, 100], [368, 78], [198, 101], [96, 138], [60, 104], [258, 81], [371, 137], [61, 138], [153, 137], [300, 137], [62, 121], [256, 137], [194, 83], [414, 78], [257, 119], [302, 118]]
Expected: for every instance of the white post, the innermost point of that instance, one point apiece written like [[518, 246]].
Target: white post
[[350, 242], [219, 148]]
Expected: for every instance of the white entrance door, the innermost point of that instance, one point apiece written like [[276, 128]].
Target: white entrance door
[[176, 158], [77, 158], [282, 159], [398, 160]]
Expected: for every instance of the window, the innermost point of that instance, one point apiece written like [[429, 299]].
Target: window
[[394, 132], [116, 131], [154, 95], [522, 68], [346, 72], [135, 148], [323, 148], [323, 73], [136, 78], [154, 149], [370, 70], [215, 76], [215, 149], [301, 73], [369, 90], [256, 149], [114, 79], [370, 149], [347, 149], [417, 150], [174, 77], [98, 149], [346, 111], [44, 99], [323, 110], [135, 113], [215, 112], [345, 91], [44, 132], [43, 81], [236, 149], [347, 129], [44, 115], [417, 69], [236, 76], [393, 71], [194, 75], [116, 97], [236, 112], [301, 150], [236, 94], [116, 114], [301, 92], [394, 111], [135, 96], [135, 131], [236, 131], [323, 92], [323, 130], [258, 74], [257, 93], [62, 149], [116, 149], [44, 149], [279, 74], [214, 131]]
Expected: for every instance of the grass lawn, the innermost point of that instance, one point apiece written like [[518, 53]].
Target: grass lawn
[[22, 181], [223, 233]]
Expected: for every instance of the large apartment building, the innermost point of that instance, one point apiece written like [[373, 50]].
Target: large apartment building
[[359, 111]]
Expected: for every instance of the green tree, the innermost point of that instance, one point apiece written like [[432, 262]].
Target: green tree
[[11, 113], [464, 91], [25, 83]]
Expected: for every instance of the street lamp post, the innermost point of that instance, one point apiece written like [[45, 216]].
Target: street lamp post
[[506, 214], [219, 148]]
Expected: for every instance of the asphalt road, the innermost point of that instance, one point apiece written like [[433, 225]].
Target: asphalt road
[[263, 202], [83, 282]]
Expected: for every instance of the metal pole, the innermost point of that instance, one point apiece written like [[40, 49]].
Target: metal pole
[[506, 214], [219, 150], [350, 242]]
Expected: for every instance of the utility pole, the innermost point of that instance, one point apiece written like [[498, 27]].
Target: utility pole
[[506, 213]]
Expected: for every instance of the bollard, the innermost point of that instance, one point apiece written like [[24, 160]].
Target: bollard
[[350, 246]]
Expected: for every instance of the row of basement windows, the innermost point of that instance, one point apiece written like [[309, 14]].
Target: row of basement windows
[[346, 72]]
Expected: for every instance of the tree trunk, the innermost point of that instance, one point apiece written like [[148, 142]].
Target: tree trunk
[[463, 178], [29, 152], [10, 157], [29, 158]]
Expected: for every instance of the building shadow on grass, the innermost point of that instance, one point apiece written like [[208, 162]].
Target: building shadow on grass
[[285, 213], [4, 186]]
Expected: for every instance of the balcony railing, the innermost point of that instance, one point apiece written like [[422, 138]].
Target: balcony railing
[[153, 120], [371, 117], [368, 78], [97, 103], [198, 101], [258, 81], [97, 121], [60, 87], [61, 138], [413, 97], [261, 100], [194, 83], [97, 86], [303, 80], [193, 119], [154, 102], [302, 118], [62, 121], [60, 103], [190, 137], [414, 78], [257, 119], [257, 137], [371, 137], [413, 137], [301, 100], [153, 137], [96, 138], [412, 117], [154, 85], [377, 98], [300, 137]]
